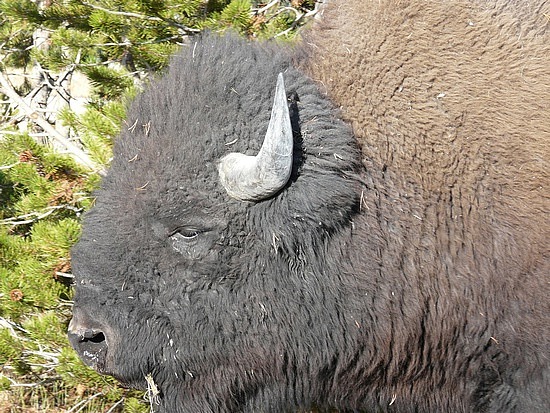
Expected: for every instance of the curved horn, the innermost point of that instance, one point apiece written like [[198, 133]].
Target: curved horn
[[253, 178]]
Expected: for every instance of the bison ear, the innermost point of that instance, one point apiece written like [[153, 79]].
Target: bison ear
[[253, 178]]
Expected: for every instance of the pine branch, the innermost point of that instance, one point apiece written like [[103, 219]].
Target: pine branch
[[32, 114], [143, 17], [129, 43]]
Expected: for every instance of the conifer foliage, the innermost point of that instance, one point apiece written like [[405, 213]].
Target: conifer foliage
[[67, 70]]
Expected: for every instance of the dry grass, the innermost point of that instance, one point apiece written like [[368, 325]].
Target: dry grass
[[40, 400]]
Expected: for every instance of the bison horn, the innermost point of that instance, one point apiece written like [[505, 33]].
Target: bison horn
[[253, 178]]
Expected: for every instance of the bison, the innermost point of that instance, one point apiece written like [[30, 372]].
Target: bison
[[359, 222]]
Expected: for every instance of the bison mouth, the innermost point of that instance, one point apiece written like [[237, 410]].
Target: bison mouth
[[93, 349]]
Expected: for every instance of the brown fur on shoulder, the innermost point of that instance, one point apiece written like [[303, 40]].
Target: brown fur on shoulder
[[453, 97], [450, 102], [454, 93]]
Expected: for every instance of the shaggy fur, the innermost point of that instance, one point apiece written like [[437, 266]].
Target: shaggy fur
[[408, 276]]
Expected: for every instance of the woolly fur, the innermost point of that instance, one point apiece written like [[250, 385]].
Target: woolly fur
[[403, 268]]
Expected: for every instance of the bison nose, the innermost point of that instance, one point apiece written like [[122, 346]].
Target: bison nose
[[90, 343]]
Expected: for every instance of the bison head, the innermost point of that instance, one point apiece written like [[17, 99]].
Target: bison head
[[214, 283]]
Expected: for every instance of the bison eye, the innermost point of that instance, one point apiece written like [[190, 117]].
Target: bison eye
[[186, 241], [192, 240], [185, 234]]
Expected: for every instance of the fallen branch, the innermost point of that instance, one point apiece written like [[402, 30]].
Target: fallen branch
[[64, 275], [6, 167], [14, 384], [266, 7], [36, 216], [11, 326], [114, 406], [33, 115], [299, 15], [83, 403]]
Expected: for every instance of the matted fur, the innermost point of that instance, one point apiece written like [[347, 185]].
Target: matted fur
[[411, 275]]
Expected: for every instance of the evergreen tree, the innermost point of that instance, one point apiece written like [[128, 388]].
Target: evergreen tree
[[67, 69]]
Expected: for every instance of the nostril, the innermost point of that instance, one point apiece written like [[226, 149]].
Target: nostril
[[91, 346], [96, 338], [92, 335]]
